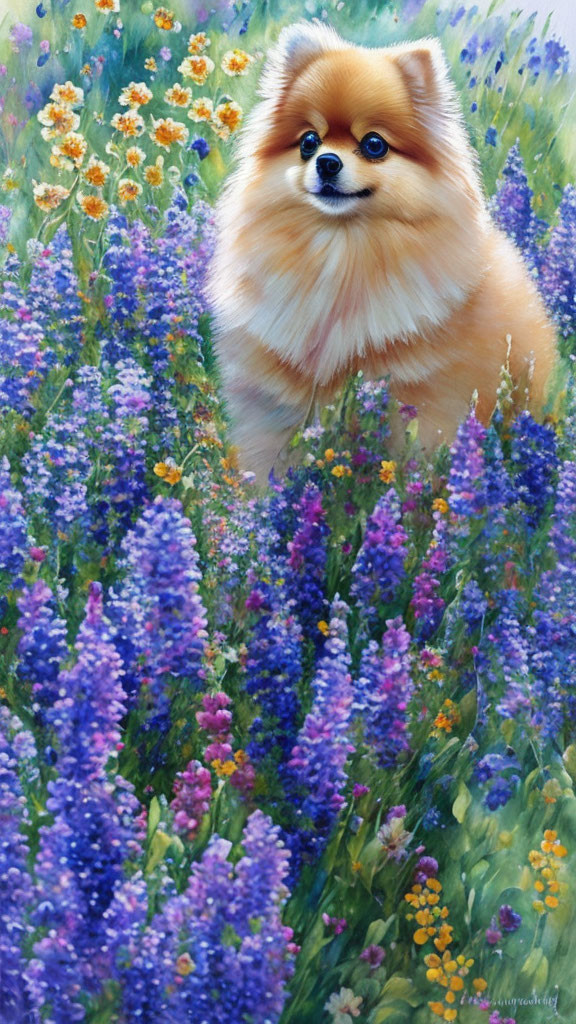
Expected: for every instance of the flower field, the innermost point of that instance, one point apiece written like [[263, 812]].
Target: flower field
[[271, 755]]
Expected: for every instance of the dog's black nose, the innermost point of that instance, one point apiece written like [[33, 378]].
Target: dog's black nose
[[328, 166]]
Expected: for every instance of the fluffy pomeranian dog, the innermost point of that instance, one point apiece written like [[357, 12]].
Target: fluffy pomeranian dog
[[354, 235]]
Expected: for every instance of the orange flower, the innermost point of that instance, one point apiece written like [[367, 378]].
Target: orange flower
[[96, 172], [168, 471], [136, 94], [164, 18], [446, 719], [108, 6], [202, 109], [67, 94], [167, 132], [131, 124], [227, 118], [93, 206], [150, 64], [236, 62], [79, 21], [73, 147], [154, 175], [440, 505], [135, 156], [59, 120], [128, 190], [387, 472], [198, 42], [48, 197], [178, 96], [196, 68]]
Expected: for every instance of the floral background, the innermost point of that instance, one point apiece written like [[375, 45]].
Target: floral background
[[285, 755]]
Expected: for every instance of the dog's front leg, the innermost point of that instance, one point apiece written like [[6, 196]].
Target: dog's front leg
[[262, 424]]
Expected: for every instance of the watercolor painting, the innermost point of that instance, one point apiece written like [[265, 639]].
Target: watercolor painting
[[287, 512]]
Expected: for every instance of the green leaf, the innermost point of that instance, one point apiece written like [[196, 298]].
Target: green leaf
[[398, 987], [468, 708], [461, 803], [154, 815], [376, 931], [532, 962], [569, 758], [158, 847]]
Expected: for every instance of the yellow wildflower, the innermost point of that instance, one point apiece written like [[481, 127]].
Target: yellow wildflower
[[135, 156], [227, 118], [324, 627], [440, 505], [185, 965], [58, 119], [340, 471], [446, 719], [73, 147], [67, 94], [480, 984], [168, 471], [178, 96], [79, 21], [167, 132], [387, 472], [236, 62], [134, 95], [224, 769], [154, 174], [93, 206], [96, 172], [150, 64], [202, 109], [329, 455], [108, 6], [48, 197], [128, 190], [164, 18], [196, 68], [198, 42], [131, 124]]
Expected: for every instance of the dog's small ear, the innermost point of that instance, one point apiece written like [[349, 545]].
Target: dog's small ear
[[424, 69], [297, 46]]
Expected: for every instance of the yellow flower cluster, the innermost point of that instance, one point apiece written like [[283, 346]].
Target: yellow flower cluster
[[168, 471], [387, 472], [429, 915], [224, 769], [446, 719], [444, 968], [546, 862]]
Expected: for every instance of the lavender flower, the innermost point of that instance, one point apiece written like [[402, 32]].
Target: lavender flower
[[535, 463], [319, 757], [273, 671], [385, 688], [427, 602], [42, 647], [13, 525], [511, 207], [192, 795], [379, 566], [466, 483], [158, 613], [307, 561], [558, 266]]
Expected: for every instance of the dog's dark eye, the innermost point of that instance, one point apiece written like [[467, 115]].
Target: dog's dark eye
[[309, 144], [373, 146]]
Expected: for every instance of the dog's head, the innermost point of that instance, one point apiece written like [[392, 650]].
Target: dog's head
[[351, 130]]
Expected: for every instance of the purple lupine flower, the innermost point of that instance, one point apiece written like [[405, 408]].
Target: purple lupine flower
[[273, 672], [13, 525], [16, 891], [427, 602], [22, 356], [473, 604], [5, 218], [466, 483], [158, 613], [558, 266], [20, 35], [511, 207], [42, 647], [125, 488], [90, 705], [379, 566], [509, 656], [306, 564], [52, 296], [317, 765], [384, 691], [221, 940], [216, 720], [427, 867], [553, 648], [192, 794], [535, 462]]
